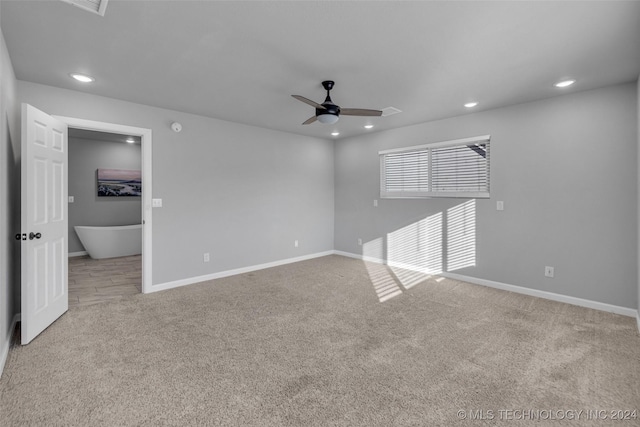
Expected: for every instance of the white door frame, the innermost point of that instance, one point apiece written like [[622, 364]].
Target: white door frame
[[145, 136]]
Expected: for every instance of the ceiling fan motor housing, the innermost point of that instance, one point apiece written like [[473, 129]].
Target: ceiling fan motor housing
[[329, 108]]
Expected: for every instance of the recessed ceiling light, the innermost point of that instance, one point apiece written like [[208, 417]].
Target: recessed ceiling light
[[131, 140], [82, 78], [335, 133], [470, 104], [565, 83], [368, 126]]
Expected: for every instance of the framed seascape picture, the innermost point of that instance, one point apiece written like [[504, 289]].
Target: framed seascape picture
[[119, 183]]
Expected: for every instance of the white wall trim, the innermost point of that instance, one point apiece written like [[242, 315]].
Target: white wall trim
[[546, 295], [638, 320], [439, 144], [4, 354], [361, 257], [76, 254], [227, 273], [522, 290]]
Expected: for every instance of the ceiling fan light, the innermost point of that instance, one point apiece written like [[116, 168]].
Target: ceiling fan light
[[328, 118]]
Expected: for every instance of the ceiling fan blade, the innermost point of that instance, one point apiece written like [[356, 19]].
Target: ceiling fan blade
[[359, 112], [308, 101], [310, 120]]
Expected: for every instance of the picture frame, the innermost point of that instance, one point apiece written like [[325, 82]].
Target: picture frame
[[119, 183]]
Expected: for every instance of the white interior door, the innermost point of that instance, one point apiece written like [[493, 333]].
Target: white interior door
[[43, 221]]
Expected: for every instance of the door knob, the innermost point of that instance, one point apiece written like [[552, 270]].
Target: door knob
[[33, 235]]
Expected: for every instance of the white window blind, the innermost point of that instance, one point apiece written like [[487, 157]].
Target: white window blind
[[407, 172], [458, 168]]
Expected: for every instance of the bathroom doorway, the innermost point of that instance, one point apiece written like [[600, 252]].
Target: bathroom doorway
[[104, 216], [92, 146]]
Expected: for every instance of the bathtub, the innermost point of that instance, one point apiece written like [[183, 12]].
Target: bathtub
[[111, 242]]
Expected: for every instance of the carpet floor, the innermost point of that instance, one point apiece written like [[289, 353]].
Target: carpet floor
[[310, 344]]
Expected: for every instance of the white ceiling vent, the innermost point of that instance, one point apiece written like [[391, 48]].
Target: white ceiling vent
[[95, 6], [390, 111]]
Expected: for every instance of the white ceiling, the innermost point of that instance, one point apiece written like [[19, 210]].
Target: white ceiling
[[241, 60]]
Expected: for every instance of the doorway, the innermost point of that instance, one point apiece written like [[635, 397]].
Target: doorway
[[104, 217], [143, 137]]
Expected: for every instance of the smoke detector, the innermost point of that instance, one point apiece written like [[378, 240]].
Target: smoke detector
[[96, 6]]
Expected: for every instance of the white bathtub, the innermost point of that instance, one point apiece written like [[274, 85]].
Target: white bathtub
[[111, 242]]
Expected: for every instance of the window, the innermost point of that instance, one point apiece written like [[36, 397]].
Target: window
[[458, 168]]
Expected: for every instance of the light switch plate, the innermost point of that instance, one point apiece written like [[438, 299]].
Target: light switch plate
[[71, 199]]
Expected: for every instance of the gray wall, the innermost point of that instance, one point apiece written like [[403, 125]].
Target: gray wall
[[85, 157], [567, 171], [9, 198], [241, 193]]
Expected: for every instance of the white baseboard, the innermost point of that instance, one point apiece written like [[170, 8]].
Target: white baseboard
[[522, 290], [546, 295], [227, 273], [4, 354], [75, 254], [638, 320], [361, 257]]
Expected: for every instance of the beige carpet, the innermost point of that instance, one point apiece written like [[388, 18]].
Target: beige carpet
[[309, 344]]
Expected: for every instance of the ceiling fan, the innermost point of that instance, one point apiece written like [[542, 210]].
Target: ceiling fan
[[328, 112]]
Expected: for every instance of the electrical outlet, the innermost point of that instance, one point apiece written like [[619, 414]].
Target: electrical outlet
[[500, 205], [71, 199], [205, 257], [375, 203], [295, 243], [548, 271], [360, 242]]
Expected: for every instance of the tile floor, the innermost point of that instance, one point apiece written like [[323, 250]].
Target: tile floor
[[94, 281]]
